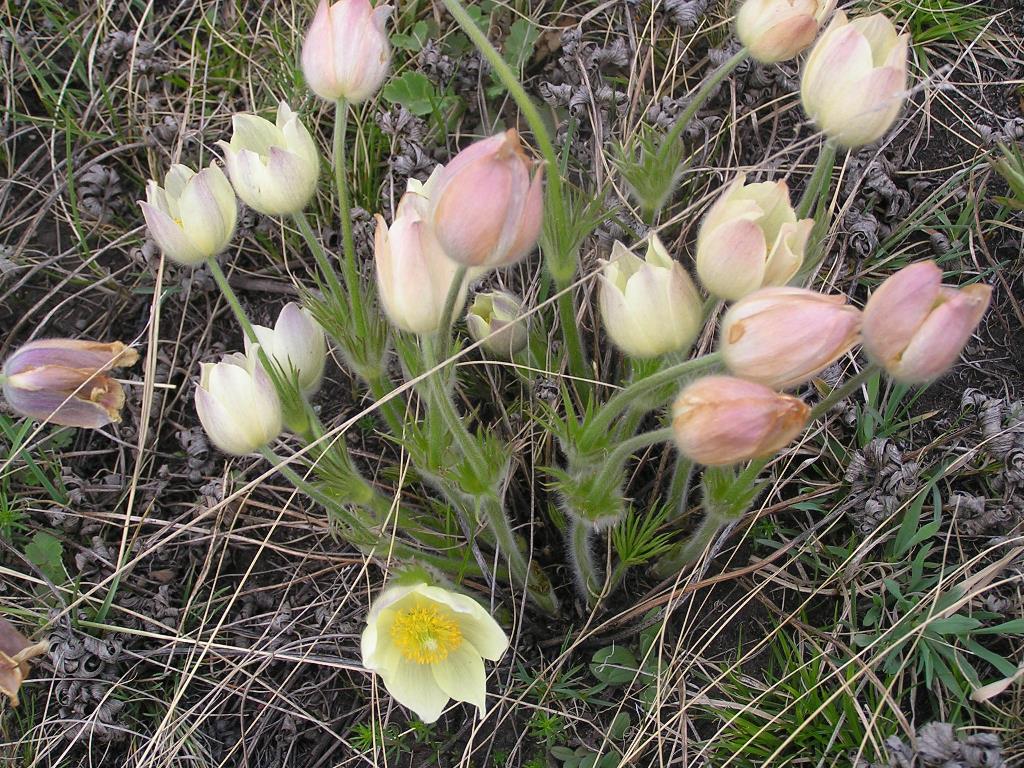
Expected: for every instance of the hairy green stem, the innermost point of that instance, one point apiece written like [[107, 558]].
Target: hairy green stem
[[570, 333], [588, 576], [232, 299], [679, 487], [492, 511], [351, 271], [821, 178], [320, 256]]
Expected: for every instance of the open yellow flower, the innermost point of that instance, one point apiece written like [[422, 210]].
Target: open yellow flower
[[428, 645]]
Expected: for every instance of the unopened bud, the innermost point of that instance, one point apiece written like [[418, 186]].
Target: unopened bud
[[297, 344], [487, 205], [346, 54], [916, 327], [494, 320], [750, 239], [238, 405], [649, 306], [782, 337], [721, 420]]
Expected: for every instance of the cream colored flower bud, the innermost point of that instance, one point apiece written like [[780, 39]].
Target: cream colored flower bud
[[487, 206], [649, 306], [720, 420], [65, 381], [413, 273], [346, 54], [192, 216], [916, 327], [428, 645], [274, 167], [498, 313], [296, 343], [783, 337], [855, 79], [238, 405], [750, 239], [777, 30]]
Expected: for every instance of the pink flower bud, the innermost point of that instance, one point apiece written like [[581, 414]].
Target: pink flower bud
[[777, 30], [916, 327], [719, 420], [63, 381], [782, 337], [346, 54], [486, 209]]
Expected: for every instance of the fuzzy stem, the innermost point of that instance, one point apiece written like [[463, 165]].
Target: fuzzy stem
[[320, 256], [232, 299], [450, 299], [679, 488], [351, 271], [588, 576], [820, 177], [490, 508], [571, 335]]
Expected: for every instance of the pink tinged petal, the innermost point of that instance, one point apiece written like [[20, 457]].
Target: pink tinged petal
[[299, 142], [785, 39], [462, 676], [170, 237], [940, 340], [721, 211], [845, 58], [413, 685], [646, 298], [731, 260], [787, 255], [529, 225], [317, 57], [864, 112], [897, 308], [879, 33], [60, 407], [91, 356], [469, 212]]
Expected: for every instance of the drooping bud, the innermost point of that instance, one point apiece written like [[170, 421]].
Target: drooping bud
[[346, 54], [297, 344], [238, 405], [649, 306], [750, 239], [778, 30], [15, 652], [783, 337], [413, 273], [64, 381], [721, 420], [192, 216], [498, 313], [273, 167], [855, 79], [916, 327], [487, 205]]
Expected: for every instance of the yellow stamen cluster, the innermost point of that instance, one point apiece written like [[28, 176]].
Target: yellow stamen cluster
[[425, 635]]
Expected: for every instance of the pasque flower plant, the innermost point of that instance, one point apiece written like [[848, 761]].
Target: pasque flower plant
[[487, 208]]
